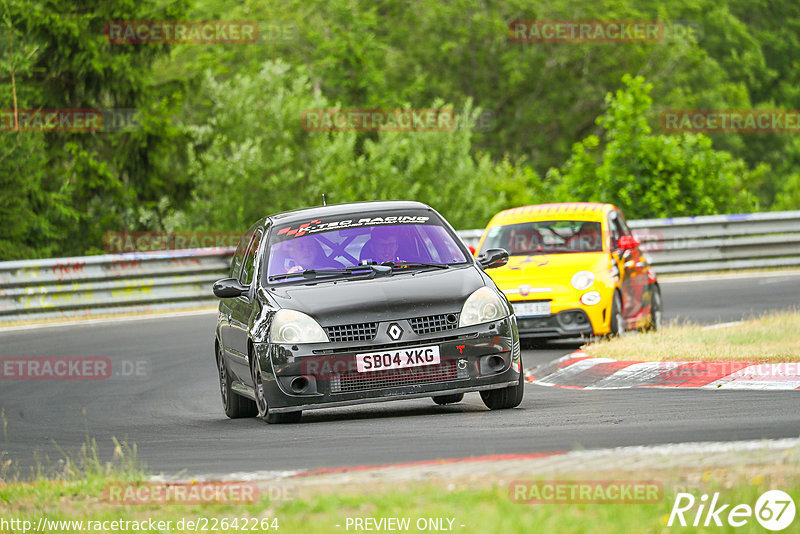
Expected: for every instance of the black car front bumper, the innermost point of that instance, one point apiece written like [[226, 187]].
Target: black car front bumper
[[476, 358]]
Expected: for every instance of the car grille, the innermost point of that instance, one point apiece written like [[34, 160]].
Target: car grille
[[352, 332], [434, 323], [355, 381]]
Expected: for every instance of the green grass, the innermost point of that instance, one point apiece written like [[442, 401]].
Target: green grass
[[479, 510], [767, 339], [481, 505]]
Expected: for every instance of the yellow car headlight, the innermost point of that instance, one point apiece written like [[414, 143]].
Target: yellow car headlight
[[591, 298], [582, 280]]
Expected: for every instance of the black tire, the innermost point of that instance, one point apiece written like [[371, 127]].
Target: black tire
[[235, 405], [448, 399], [505, 398], [617, 321], [262, 408], [656, 308]]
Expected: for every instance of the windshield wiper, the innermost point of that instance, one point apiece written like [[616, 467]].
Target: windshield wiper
[[311, 274], [414, 264]]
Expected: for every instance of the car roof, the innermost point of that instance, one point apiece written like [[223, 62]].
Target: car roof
[[355, 208], [559, 211]]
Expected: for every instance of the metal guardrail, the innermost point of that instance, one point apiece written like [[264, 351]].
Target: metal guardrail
[[135, 282], [96, 285], [713, 242], [721, 242]]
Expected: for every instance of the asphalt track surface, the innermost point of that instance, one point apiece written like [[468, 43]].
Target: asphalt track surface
[[169, 405]]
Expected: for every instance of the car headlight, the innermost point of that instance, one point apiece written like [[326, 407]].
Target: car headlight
[[591, 298], [290, 326], [582, 280], [483, 306]]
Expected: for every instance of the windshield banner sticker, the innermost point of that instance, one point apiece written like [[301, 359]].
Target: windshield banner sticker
[[316, 226]]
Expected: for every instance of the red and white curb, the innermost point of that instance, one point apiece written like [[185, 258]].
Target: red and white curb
[[580, 371], [697, 456]]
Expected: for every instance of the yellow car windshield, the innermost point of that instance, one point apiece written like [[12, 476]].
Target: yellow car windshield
[[546, 237]]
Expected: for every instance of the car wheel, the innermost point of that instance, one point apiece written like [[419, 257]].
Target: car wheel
[[656, 308], [617, 321], [448, 399], [235, 405], [509, 397], [263, 407]]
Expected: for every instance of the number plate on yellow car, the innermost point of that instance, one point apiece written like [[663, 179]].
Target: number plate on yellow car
[[397, 358], [531, 309]]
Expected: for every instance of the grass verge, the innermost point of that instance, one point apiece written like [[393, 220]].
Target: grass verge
[[467, 504], [768, 339], [76, 506]]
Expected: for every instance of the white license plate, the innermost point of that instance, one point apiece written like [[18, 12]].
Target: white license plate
[[397, 358], [531, 309]]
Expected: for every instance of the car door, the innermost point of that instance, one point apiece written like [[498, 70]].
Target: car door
[[242, 310], [225, 304], [638, 271], [630, 263]]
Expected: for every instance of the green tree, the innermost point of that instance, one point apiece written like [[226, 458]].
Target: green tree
[[104, 178], [650, 175], [788, 197], [250, 156]]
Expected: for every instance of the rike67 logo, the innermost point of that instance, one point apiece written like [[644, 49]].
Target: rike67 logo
[[774, 510]]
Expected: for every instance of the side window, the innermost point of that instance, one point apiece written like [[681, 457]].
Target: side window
[[238, 256], [614, 231], [623, 224], [248, 267]]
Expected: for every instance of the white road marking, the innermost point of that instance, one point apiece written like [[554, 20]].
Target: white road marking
[[571, 370]]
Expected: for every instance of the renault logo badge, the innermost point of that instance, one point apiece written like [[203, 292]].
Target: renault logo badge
[[394, 331]]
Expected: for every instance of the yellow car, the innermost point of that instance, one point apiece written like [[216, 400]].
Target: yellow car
[[574, 270]]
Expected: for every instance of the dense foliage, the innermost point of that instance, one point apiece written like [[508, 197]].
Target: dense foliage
[[217, 140]]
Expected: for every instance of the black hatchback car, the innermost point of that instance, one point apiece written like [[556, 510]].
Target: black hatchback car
[[356, 303]]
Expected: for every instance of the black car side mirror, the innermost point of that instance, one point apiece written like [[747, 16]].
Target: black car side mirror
[[229, 288], [494, 257]]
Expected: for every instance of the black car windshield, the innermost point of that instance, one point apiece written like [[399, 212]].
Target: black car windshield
[[545, 237], [406, 242]]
